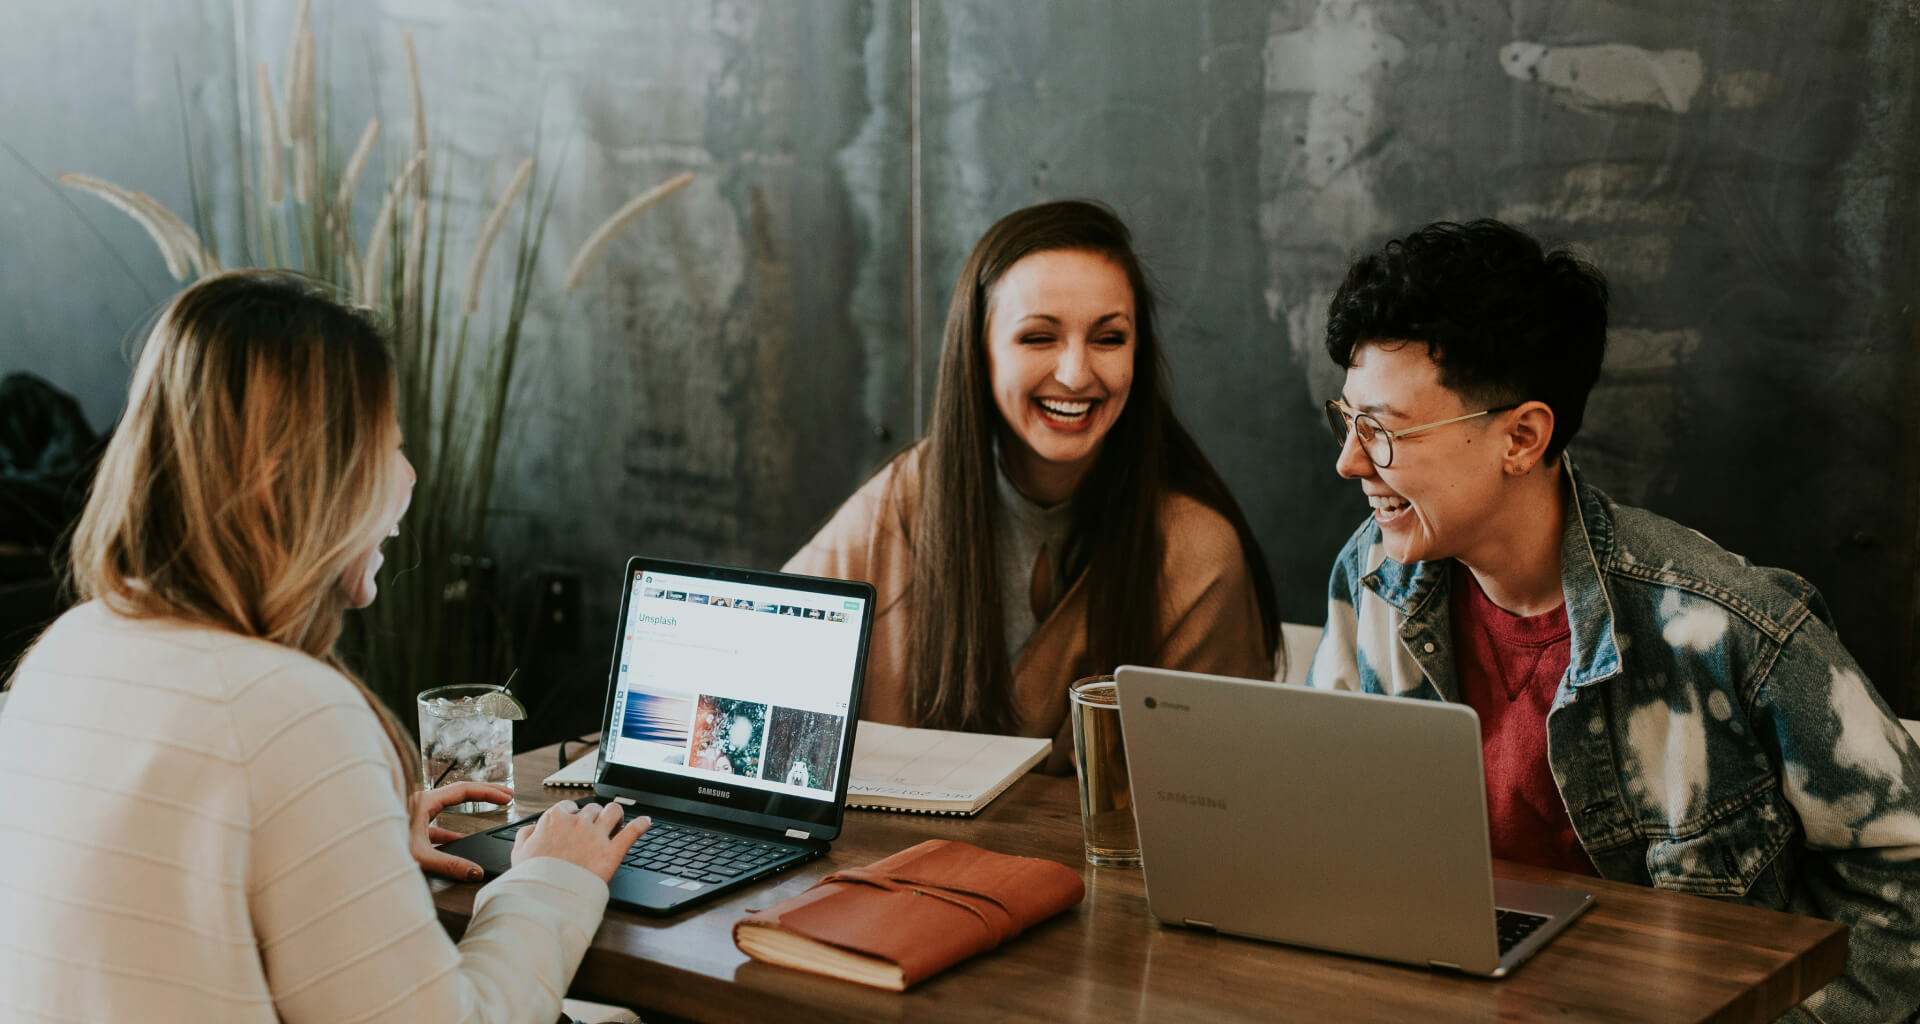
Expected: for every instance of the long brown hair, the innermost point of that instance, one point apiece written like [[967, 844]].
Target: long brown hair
[[958, 675], [250, 470]]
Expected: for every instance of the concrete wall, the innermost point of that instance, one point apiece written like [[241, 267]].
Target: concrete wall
[[1744, 174]]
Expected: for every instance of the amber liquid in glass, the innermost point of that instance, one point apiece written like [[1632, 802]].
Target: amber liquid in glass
[[1106, 801]]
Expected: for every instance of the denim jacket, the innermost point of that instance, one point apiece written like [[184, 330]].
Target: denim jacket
[[1710, 736]]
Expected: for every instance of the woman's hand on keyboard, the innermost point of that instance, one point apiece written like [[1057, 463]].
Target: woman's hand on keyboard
[[425, 835], [589, 836]]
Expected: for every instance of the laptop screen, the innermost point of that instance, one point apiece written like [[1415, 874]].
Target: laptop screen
[[736, 689]]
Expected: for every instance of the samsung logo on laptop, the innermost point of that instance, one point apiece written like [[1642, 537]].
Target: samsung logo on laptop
[[1192, 799], [1152, 703], [710, 791]]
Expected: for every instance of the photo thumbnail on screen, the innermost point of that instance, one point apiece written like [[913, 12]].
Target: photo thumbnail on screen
[[654, 727], [727, 736], [803, 748]]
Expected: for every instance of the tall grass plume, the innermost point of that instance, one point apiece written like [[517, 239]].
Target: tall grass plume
[[454, 367]]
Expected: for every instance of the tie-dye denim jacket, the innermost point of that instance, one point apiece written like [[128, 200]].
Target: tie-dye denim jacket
[[1710, 736]]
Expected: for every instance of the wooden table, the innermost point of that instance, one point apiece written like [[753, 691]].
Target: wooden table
[[1638, 955]]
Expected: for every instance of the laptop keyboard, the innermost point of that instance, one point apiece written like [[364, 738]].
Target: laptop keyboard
[[696, 854], [1514, 926]]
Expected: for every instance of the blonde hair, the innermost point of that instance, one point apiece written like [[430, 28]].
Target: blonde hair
[[250, 471]]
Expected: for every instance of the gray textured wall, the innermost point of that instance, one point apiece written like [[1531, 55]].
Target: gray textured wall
[[1746, 175]]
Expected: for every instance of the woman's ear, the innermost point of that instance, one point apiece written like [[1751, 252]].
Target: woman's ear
[[1529, 433]]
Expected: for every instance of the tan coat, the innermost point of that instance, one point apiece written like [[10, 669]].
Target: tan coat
[[1210, 618]]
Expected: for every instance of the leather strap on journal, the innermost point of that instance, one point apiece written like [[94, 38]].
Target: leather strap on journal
[[994, 918], [927, 907]]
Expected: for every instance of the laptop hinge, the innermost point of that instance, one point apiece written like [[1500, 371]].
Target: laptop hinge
[[624, 801], [1191, 923], [794, 833]]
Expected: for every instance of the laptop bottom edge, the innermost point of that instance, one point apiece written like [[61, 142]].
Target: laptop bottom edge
[[635, 887], [655, 893], [1559, 906]]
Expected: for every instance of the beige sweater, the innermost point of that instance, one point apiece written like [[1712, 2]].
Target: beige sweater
[[1210, 618], [204, 827]]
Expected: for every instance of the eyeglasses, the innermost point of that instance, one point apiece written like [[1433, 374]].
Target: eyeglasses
[[1376, 440]]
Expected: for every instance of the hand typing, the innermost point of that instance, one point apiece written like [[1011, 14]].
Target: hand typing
[[589, 836]]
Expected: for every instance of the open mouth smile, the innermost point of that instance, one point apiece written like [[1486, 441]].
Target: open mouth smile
[[1065, 411], [1388, 508]]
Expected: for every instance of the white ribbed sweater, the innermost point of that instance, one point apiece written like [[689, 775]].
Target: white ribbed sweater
[[198, 826]]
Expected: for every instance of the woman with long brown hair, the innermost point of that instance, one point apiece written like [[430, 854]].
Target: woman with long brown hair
[[208, 816], [1057, 520]]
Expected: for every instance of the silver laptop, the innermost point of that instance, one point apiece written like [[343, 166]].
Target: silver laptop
[[1348, 822]]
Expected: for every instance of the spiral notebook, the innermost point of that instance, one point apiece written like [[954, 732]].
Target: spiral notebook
[[577, 774], [934, 771], [923, 771]]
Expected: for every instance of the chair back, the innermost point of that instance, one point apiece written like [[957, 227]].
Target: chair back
[[1299, 641]]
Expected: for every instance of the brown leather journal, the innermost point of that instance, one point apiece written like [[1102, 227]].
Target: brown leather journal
[[909, 916]]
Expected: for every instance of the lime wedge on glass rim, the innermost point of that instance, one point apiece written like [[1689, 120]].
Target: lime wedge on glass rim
[[501, 704]]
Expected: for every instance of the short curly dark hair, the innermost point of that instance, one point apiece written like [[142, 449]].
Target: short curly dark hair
[[1506, 321]]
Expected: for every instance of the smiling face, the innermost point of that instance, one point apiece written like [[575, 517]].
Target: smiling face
[[1060, 355], [1441, 495]]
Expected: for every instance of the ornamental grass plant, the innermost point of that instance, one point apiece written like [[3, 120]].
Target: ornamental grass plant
[[441, 616]]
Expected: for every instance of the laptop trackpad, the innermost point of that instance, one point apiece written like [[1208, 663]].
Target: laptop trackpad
[[1529, 915], [1545, 900], [637, 887]]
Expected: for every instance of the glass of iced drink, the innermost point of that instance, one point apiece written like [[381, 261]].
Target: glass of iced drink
[[1106, 801], [464, 738]]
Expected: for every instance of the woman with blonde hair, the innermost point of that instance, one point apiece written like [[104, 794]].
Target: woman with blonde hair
[[1057, 520], [208, 816]]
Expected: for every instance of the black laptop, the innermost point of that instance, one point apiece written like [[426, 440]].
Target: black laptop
[[729, 720]]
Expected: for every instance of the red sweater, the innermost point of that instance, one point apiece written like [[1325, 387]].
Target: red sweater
[[1508, 668]]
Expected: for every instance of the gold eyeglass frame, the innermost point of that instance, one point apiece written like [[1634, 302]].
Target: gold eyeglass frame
[[1341, 415]]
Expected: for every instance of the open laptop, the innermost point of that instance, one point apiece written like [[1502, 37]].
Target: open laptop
[[729, 720], [1348, 822]]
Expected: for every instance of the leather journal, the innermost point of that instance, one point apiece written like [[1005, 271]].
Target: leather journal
[[909, 916]]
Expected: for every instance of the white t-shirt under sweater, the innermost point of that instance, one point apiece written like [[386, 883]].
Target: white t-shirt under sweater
[[200, 826]]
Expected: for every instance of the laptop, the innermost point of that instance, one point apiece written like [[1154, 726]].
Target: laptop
[[730, 715], [1348, 822]]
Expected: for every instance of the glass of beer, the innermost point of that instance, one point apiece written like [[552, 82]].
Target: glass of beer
[[1106, 801]]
